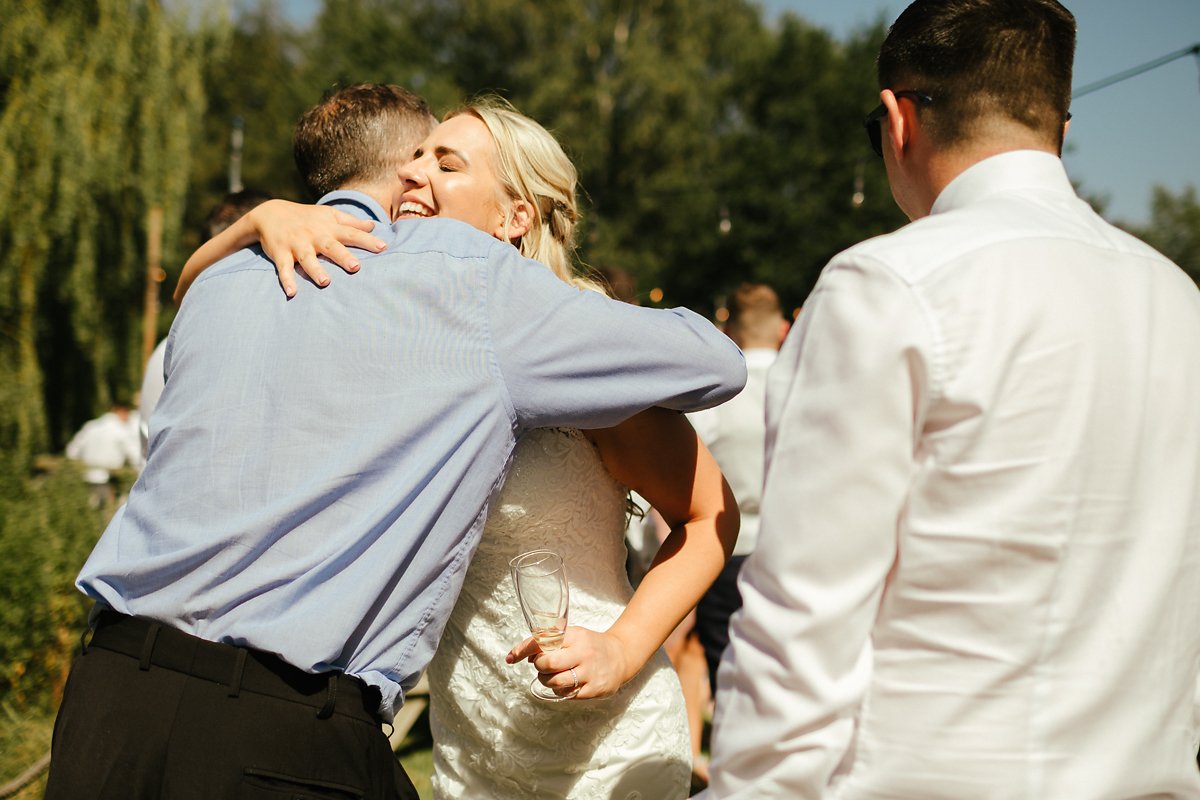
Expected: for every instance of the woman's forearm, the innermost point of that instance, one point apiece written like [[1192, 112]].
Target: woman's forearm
[[292, 234], [241, 233], [687, 563], [659, 455]]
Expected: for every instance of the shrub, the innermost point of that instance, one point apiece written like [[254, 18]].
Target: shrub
[[47, 530]]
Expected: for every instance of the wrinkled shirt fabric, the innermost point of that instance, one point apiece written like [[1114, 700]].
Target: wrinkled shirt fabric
[[320, 467], [978, 569]]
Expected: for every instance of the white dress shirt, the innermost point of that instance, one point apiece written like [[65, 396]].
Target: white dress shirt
[[735, 432], [105, 444], [978, 571]]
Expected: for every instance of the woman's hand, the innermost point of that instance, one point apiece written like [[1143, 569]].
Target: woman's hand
[[293, 234], [593, 662]]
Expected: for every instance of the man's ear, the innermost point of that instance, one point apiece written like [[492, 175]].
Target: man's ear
[[899, 122]]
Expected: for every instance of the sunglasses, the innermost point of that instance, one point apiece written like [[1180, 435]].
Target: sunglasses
[[873, 122]]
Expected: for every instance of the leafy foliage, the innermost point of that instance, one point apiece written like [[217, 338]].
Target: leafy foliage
[[93, 137], [1174, 228], [47, 529], [687, 119], [714, 146]]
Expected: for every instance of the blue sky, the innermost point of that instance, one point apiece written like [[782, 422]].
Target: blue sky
[[1124, 139]]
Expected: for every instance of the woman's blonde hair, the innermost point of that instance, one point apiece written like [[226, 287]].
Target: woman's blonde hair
[[532, 166]]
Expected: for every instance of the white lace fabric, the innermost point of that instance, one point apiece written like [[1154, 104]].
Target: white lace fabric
[[492, 739]]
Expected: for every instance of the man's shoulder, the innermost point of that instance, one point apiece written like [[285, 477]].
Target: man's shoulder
[[446, 237], [249, 258], [457, 248], [924, 246]]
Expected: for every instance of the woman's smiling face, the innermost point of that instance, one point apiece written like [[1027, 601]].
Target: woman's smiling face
[[453, 174]]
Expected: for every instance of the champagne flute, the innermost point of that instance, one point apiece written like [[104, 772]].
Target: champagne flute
[[541, 582]]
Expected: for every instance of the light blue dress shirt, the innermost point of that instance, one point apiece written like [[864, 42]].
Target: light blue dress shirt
[[320, 467]]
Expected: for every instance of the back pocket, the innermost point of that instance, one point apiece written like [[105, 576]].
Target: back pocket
[[260, 784]]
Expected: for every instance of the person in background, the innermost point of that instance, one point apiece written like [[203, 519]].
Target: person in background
[[979, 553], [735, 433], [103, 445]]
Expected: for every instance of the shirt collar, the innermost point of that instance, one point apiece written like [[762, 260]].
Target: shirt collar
[[1014, 170], [353, 202], [760, 356]]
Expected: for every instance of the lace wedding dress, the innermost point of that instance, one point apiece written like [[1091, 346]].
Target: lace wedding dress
[[492, 739]]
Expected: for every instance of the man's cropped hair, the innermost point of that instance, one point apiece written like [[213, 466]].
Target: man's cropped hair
[[982, 60], [358, 135]]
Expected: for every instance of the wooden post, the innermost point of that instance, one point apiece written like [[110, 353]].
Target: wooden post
[[154, 276]]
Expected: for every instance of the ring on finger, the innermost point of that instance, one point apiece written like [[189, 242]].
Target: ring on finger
[[575, 678]]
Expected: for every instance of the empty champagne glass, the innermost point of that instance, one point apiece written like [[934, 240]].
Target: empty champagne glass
[[541, 583]]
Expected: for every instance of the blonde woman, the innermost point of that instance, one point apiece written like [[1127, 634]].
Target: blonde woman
[[624, 734]]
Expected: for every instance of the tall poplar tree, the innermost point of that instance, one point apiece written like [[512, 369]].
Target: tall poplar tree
[[99, 105]]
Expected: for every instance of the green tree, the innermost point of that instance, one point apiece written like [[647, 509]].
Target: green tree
[[801, 181], [712, 148], [99, 108], [408, 46], [636, 91], [99, 103], [1174, 228], [649, 136], [253, 80]]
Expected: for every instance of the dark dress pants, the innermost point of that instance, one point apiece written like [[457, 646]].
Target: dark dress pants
[[132, 729], [713, 613]]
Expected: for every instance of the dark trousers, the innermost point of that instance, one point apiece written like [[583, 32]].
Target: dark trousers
[[713, 613], [151, 712]]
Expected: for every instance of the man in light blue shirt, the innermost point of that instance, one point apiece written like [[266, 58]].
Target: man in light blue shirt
[[318, 476]]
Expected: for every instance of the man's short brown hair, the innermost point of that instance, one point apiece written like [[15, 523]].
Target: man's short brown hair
[[754, 316], [359, 134], [982, 60]]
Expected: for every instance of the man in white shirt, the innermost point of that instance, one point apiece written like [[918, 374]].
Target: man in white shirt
[[104, 444], [978, 568]]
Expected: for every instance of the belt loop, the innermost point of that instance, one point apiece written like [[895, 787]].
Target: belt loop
[[330, 697], [93, 623], [148, 646], [239, 667]]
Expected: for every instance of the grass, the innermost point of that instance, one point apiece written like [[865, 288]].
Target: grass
[[24, 739]]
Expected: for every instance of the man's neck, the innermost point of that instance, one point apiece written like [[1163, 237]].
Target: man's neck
[[386, 196], [944, 165]]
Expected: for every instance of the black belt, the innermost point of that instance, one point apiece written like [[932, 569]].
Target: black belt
[[242, 669]]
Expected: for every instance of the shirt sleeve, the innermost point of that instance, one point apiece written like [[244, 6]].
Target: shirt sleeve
[[575, 357], [843, 409]]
